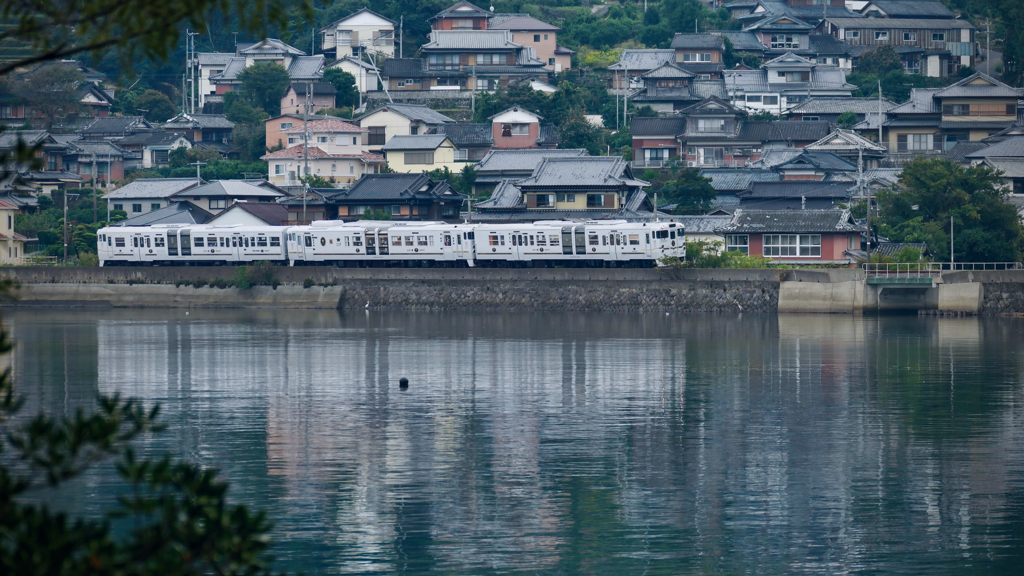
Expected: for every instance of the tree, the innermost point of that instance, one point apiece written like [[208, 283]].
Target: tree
[[932, 191], [157, 106], [576, 132], [691, 192], [181, 522], [345, 84], [847, 120], [52, 92], [238, 110], [264, 84], [880, 60], [317, 181], [127, 29]]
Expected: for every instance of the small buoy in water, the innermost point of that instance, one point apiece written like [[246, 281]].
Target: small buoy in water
[[403, 383]]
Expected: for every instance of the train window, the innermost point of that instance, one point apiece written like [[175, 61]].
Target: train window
[[211, 241], [198, 241], [661, 234], [252, 241], [647, 238], [501, 238], [261, 241], [447, 239], [234, 242], [542, 240], [135, 242], [493, 239], [458, 239], [423, 240], [245, 241], [672, 234], [531, 240], [470, 236], [553, 239], [147, 242], [515, 240], [634, 239], [408, 241], [119, 242], [604, 240], [348, 241], [395, 241], [593, 239], [108, 240], [275, 241], [357, 240], [309, 240]]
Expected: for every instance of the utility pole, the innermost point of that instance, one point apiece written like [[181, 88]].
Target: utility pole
[[863, 194], [108, 191], [988, 47], [199, 179], [880, 115], [65, 226], [951, 258], [472, 93], [305, 151], [401, 36], [95, 185]]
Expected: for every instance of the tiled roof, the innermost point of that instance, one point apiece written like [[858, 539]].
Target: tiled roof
[[683, 41], [702, 224], [668, 70], [417, 142], [587, 171], [742, 41], [921, 101], [470, 40], [174, 213], [403, 68], [774, 156], [640, 60], [1010, 167], [701, 67], [498, 18], [270, 45], [520, 161], [413, 112], [791, 221], [900, 23], [307, 67], [822, 105], [958, 153], [1010, 148], [230, 188], [912, 121], [818, 159], [964, 88], [9, 138], [783, 131], [328, 125], [707, 88], [659, 126], [334, 24], [214, 58], [506, 196], [182, 121], [524, 22], [913, 9], [115, 125], [468, 135], [773, 23], [1008, 132], [272, 213], [102, 149], [462, 10], [231, 70], [827, 44], [847, 140], [155, 138], [796, 189], [313, 153], [394, 186], [736, 179], [549, 135]]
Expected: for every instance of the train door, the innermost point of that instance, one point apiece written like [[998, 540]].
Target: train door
[[567, 242], [307, 247], [371, 244], [138, 246], [448, 245], [383, 248]]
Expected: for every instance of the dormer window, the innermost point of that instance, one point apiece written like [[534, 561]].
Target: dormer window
[[509, 130], [796, 76], [710, 125], [784, 41], [462, 24]]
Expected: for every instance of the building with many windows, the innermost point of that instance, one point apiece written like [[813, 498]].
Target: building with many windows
[[359, 33], [794, 236]]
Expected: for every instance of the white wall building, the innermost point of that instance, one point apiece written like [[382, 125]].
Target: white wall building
[[364, 31]]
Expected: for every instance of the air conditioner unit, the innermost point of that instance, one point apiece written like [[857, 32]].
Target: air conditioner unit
[[691, 164]]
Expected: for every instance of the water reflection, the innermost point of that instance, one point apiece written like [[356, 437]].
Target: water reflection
[[576, 443]]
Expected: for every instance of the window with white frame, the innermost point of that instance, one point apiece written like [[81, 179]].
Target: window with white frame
[[920, 141], [278, 168], [334, 168], [737, 243], [910, 36], [771, 101], [752, 98], [710, 124], [697, 57], [784, 41], [218, 204], [782, 245], [854, 34], [938, 37], [882, 36], [490, 60]]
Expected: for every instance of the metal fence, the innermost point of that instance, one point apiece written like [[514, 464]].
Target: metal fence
[[932, 269]]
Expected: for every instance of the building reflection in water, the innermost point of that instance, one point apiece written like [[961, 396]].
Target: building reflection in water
[[576, 443]]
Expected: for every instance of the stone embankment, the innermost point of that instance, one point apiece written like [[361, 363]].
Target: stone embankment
[[407, 289]]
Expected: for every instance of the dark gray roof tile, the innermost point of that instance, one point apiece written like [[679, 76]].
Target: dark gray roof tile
[[791, 221]]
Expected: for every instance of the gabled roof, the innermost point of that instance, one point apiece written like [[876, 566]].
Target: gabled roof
[[640, 60], [668, 70], [506, 196], [214, 58], [549, 135], [315, 153], [978, 85], [417, 142], [658, 126], [683, 41], [515, 108], [921, 101], [155, 138], [356, 61], [958, 153], [470, 40], [1010, 167], [737, 179], [824, 105], [101, 148], [780, 22], [772, 157], [788, 189], [115, 125], [461, 10], [827, 44], [524, 22], [468, 135], [520, 161], [790, 60], [418, 112], [588, 171], [712, 105], [394, 186], [270, 45], [1008, 132], [1009, 148], [900, 23], [174, 213], [791, 221], [783, 131], [151, 188], [702, 224], [198, 121], [741, 40], [327, 125], [230, 188], [307, 67], [845, 140], [334, 25], [272, 213], [819, 160], [910, 9], [9, 138]]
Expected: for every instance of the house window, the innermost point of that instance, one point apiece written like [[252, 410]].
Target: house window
[[545, 36], [811, 118], [754, 99], [508, 130], [377, 137], [956, 110], [910, 36], [545, 200], [118, 206], [293, 140], [939, 37], [737, 243], [396, 211], [551, 61], [414, 130], [906, 142], [285, 125], [278, 169], [798, 76], [711, 156], [136, 208], [352, 168], [334, 168], [882, 36], [776, 245], [699, 57], [419, 158], [710, 125], [854, 34], [218, 204], [462, 24], [784, 41], [657, 154], [355, 140], [154, 206], [536, 37], [810, 244], [595, 200], [321, 139], [443, 61]]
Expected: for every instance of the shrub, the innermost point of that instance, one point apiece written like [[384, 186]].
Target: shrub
[[242, 278], [308, 283]]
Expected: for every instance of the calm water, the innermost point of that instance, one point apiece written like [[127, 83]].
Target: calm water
[[566, 444]]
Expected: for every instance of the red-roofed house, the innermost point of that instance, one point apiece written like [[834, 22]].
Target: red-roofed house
[[12, 244], [288, 166]]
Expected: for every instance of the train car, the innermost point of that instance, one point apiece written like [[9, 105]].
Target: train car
[[177, 244], [581, 244], [381, 243]]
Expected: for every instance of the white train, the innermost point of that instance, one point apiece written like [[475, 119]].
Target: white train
[[384, 243]]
